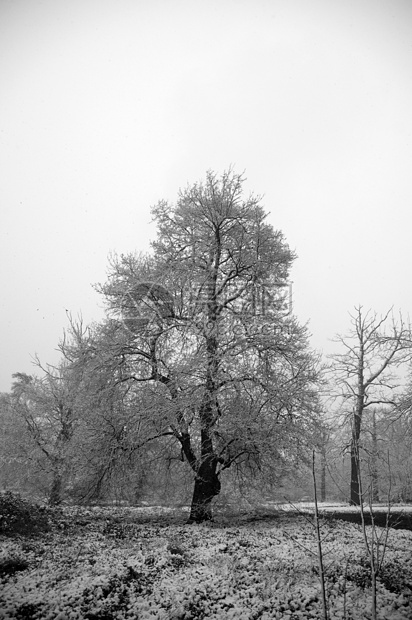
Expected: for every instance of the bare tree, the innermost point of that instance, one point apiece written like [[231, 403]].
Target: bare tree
[[367, 374], [200, 323], [51, 404]]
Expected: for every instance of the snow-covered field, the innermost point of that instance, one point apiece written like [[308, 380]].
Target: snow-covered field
[[108, 563], [309, 506]]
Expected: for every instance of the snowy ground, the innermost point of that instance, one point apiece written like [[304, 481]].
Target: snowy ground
[[338, 507], [148, 564]]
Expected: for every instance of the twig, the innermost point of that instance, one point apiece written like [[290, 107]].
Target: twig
[[319, 543]]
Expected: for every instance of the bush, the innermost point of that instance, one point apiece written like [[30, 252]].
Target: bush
[[11, 565], [19, 516], [396, 577]]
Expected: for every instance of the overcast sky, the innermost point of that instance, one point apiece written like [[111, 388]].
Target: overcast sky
[[107, 106]]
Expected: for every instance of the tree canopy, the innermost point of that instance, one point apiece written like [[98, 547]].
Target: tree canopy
[[199, 329]]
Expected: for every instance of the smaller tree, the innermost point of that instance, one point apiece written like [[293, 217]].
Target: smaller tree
[[49, 418], [51, 405], [15, 448], [366, 375]]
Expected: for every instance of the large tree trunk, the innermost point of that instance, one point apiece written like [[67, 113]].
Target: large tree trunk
[[59, 460], [207, 483], [355, 496], [55, 495], [355, 477], [207, 486], [374, 461]]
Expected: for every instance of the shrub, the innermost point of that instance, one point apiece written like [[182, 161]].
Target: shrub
[[11, 565], [396, 576], [28, 611], [19, 516]]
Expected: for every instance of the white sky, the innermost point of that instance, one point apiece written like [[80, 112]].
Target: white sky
[[108, 106]]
